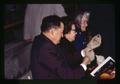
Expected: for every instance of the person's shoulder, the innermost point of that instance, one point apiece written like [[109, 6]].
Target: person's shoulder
[[63, 42], [36, 38]]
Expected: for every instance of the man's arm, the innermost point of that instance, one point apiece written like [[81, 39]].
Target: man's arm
[[49, 58]]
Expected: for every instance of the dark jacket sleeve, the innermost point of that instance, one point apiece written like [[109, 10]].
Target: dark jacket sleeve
[[48, 57]]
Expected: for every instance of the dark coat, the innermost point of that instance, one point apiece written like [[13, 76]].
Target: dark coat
[[69, 53], [80, 40], [45, 62]]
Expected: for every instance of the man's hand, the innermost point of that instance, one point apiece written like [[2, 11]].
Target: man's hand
[[86, 60]]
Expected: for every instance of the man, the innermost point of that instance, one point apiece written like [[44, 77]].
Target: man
[[45, 62]]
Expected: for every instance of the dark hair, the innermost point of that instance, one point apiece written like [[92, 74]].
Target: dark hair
[[50, 22], [68, 22]]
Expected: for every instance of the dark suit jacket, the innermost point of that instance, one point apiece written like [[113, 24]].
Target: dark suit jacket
[[45, 62]]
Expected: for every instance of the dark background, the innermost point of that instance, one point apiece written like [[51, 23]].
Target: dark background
[[102, 21]]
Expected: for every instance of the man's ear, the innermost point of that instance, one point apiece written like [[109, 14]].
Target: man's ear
[[52, 32]]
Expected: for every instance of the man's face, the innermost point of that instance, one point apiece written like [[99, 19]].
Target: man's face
[[84, 23], [59, 33]]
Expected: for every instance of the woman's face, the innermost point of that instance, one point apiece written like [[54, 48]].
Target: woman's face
[[84, 23], [72, 33]]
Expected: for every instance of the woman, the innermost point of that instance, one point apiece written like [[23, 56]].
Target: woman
[[68, 52], [81, 22]]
